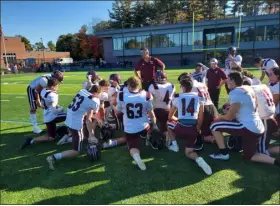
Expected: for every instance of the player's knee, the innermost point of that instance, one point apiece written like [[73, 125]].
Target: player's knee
[[32, 111]]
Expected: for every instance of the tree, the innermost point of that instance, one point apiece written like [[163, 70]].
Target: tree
[[69, 43], [51, 46], [101, 26], [39, 46], [26, 42]]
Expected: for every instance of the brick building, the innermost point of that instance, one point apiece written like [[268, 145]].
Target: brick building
[[16, 53]]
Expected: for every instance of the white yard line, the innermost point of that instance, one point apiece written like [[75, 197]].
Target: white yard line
[[5, 100]]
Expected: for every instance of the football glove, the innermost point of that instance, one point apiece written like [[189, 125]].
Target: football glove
[[94, 152]]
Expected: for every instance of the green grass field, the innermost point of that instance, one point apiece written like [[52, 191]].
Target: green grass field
[[170, 177]]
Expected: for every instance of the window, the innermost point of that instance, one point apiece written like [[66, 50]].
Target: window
[[185, 39], [197, 38], [139, 42], [155, 41], [210, 39], [246, 34], [272, 32], [260, 33], [117, 44], [146, 41], [130, 43], [163, 41]]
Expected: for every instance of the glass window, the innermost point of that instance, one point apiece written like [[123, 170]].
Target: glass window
[[117, 44], [177, 39], [260, 30], [185, 39], [139, 43], [163, 40], [272, 32], [146, 41], [197, 38], [171, 40], [210, 39], [130, 43], [246, 34], [155, 41]]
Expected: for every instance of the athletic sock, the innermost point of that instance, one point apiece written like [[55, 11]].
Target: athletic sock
[[58, 156], [174, 142], [33, 120]]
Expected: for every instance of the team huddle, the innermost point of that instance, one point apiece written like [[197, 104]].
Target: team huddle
[[160, 116]]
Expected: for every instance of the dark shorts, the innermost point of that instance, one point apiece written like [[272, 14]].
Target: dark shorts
[[270, 127], [162, 117], [250, 140], [51, 126], [133, 140], [210, 115], [77, 139], [31, 94], [187, 133], [106, 104], [145, 85]]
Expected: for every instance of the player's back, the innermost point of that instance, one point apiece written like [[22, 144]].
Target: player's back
[[202, 90], [40, 80], [200, 76], [135, 107], [80, 105], [49, 98], [188, 105], [268, 64], [266, 107], [247, 113], [163, 94]]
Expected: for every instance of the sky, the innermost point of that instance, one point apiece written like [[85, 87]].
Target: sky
[[49, 19]]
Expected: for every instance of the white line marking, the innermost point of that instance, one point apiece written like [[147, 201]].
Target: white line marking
[[16, 82], [5, 83], [24, 122], [5, 100], [20, 97]]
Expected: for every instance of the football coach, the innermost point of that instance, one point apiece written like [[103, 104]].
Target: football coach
[[147, 67]]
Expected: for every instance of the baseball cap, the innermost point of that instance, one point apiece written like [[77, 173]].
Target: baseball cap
[[213, 60]]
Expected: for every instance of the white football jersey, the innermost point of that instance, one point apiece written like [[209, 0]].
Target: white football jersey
[[188, 105], [228, 64], [104, 97], [202, 91], [41, 80], [163, 94], [275, 89], [201, 76], [112, 91], [266, 107], [247, 114], [268, 65], [81, 104], [48, 98], [134, 107]]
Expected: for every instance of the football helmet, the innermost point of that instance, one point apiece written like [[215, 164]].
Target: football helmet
[[58, 75], [115, 77], [94, 76], [106, 133], [61, 131], [156, 139], [160, 77], [234, 143]]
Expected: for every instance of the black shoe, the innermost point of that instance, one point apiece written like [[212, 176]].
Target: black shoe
[[231, 142], [26, 143]]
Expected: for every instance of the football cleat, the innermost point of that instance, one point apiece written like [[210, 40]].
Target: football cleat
[[204, 166], [37, 130], [198, 145], [65, 139], [156, 140], [173, 147], [51, 161], [106, 132], [26, 143], [219, 156], [234, 143]]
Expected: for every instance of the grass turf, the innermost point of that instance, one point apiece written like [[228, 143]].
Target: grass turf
[[170, 177]]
